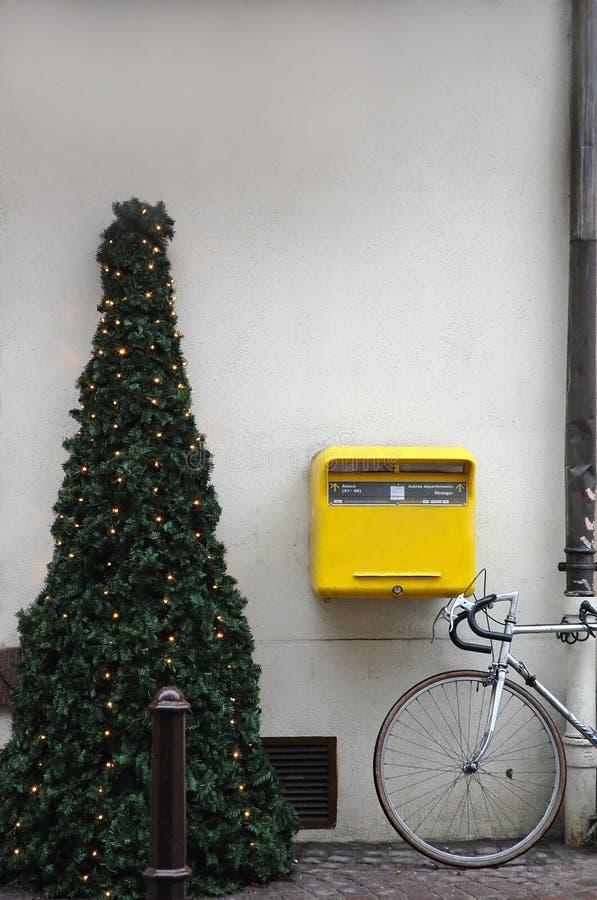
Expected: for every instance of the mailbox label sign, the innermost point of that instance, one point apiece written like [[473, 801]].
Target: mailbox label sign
[[397, 493]]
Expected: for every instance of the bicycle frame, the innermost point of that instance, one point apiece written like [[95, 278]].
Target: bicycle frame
[[505, 660]]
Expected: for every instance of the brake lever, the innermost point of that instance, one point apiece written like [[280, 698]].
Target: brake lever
[[448, 613]]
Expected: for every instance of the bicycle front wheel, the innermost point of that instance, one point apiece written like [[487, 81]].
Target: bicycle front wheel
[[428, 793]]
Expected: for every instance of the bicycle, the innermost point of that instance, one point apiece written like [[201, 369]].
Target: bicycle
[[469, 768]]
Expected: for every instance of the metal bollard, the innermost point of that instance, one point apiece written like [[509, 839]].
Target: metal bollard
[[167, 872]]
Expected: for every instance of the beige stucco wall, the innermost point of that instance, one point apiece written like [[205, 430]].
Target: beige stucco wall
[[371, 248]]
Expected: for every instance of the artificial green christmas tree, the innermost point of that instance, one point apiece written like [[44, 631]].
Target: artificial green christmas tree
[[136, 597]]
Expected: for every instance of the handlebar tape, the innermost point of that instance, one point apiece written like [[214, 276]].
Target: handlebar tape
[[485, 632], [465, 645]]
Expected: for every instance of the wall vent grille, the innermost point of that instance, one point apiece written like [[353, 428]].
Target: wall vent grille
[[306, 767]]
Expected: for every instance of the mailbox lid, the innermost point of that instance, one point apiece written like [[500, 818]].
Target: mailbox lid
[[382, 458]]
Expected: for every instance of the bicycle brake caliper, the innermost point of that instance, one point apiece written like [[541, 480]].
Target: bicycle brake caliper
[[491, 676]]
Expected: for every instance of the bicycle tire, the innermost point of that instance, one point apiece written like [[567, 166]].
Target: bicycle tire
[[472, 820]]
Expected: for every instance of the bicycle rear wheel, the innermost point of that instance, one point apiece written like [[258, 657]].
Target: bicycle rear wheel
[[470, 819]]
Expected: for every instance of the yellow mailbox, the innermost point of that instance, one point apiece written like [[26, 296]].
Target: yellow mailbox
[[388, 521]]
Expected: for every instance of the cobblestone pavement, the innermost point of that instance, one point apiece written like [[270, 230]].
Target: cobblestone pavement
[[396, 872], [393, 871]]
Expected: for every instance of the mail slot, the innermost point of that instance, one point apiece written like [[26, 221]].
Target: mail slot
[[392, 521]]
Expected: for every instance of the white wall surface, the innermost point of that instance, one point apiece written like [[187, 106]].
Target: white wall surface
[[371, 248], [5, 725]]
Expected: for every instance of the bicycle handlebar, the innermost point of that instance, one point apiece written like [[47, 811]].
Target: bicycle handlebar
[[469, 610], [485, 632], [469, 614], [465, 645]]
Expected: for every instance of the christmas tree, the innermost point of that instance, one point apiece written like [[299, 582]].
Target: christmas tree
[[136, 597]]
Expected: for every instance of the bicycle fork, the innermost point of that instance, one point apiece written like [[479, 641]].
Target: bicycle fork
[[497, 675], [472, 764]]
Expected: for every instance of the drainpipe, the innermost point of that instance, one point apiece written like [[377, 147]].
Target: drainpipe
[[580, 414]]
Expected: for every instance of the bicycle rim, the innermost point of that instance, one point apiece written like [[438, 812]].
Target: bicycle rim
[[483, 818]]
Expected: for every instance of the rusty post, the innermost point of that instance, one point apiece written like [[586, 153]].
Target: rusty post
[[167, 872], [580, 463]]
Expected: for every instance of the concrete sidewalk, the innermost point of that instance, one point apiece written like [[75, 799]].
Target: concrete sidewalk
[[364, 871]]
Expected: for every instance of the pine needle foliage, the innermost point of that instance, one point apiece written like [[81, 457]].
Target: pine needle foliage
[[137, 596]]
